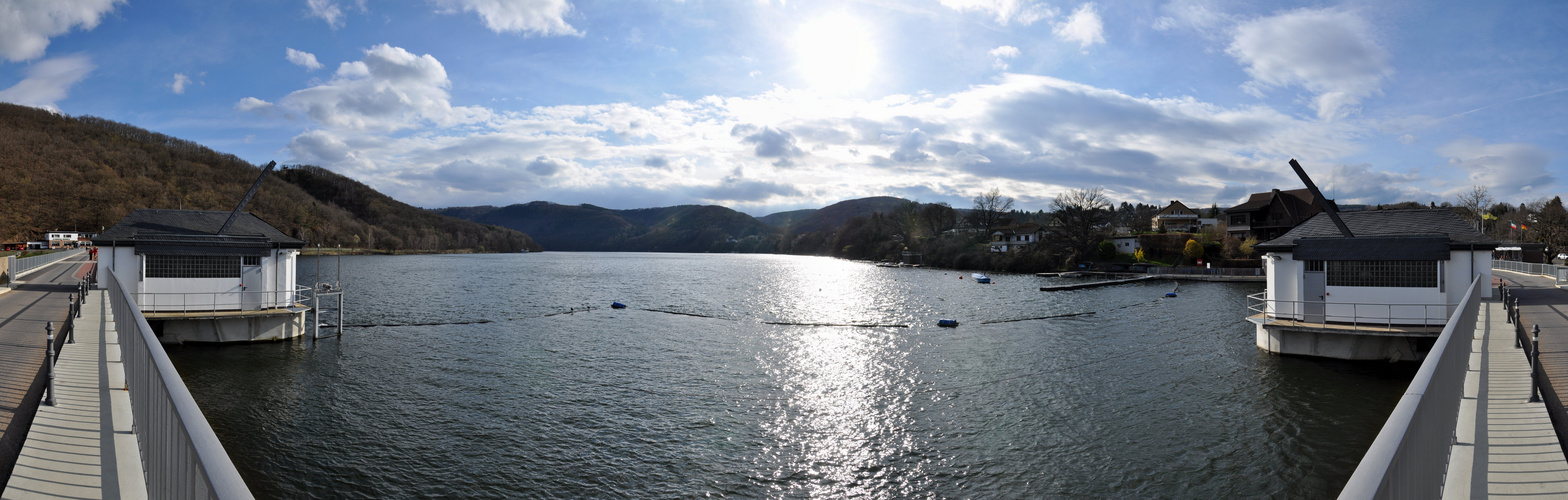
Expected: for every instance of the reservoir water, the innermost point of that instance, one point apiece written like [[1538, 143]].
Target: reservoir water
[[727, 377]]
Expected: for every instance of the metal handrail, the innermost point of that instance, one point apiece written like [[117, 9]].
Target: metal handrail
[[207, 303], [18, 267], [1259, 303], [1410, 454], [181, 456], [1558, 272], [1217, 271]]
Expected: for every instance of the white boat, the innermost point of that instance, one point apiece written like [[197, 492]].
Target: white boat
[[981, 278]]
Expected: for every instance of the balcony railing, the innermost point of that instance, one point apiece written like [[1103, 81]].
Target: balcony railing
[[1355, 315], [208, 304]]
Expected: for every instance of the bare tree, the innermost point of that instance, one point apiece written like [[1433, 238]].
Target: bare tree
[[937, 218], [1475, 202], [904, 220], [989, 209], [1081, 217]]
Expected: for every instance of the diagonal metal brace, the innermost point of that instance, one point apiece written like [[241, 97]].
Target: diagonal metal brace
[[249, 194]]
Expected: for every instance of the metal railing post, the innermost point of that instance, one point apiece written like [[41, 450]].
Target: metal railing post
[[1507, 311], [1535, 363], [49, 362], [74, 312]]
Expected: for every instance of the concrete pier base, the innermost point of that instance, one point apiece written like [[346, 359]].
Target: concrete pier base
[[253, 328], [1338, 345]]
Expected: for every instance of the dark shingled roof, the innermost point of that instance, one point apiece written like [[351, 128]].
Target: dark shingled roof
[[1384, 223], [149, 225], [1260, 200]]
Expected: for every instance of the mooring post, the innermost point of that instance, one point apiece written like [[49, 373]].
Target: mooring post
[[1535, 363], [49, 362]]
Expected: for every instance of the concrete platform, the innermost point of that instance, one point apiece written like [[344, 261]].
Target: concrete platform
[[40, 296], [1504, 445], [83, 446]]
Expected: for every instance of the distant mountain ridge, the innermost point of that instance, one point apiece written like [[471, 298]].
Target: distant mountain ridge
[[681, 228]]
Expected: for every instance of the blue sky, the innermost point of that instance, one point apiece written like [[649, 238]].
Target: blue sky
[[766, 106]]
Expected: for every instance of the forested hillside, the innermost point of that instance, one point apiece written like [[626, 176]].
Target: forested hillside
[[685, 228], [85, 173]]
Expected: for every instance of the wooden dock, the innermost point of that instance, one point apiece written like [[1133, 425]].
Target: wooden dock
[[1094, 284]]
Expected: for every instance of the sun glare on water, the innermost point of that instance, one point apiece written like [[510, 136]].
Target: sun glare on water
[[835, 53]]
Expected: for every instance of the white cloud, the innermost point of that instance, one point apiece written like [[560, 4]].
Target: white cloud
[[252, 104], [1408, 139], [1083, 27], [1039, 134], [302, 59], [1358, 183], [180, 81], [545, 166], [770, 142], [48, 81], [26, 26], [1509, 169], [1002, 55], [528, 17], [326, 10], [1023, 12], [391, 89], [736, 187], [1195, 15], [1329, 52]]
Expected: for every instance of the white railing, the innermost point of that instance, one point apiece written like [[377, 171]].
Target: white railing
[[208, 303], [1216, 271], [181, 456], [1558, 272], [1354, 314], [18, 267], [1410, 455]]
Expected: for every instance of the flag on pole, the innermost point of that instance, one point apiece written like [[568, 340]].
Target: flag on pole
[[1512, 225]]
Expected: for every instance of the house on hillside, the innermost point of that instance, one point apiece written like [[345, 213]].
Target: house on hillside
[[1127, 244], [1016, 237], [62, 239], [1176, 217], [195, 283], [1266, 216], [1383, 293]]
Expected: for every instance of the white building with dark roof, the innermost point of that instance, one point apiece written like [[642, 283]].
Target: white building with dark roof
[[1385, 292], [197, 285]]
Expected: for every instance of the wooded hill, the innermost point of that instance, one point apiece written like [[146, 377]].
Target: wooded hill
[[84, 173], [685, 228]]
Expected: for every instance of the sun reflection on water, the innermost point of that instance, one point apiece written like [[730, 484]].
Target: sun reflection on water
[[845, 416]]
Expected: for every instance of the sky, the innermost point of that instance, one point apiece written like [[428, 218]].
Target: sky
[[767, 106]]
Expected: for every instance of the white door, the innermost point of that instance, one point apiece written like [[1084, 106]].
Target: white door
[[253, 284], [1313, 286]]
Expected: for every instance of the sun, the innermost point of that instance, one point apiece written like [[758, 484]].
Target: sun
[[835, 53]]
